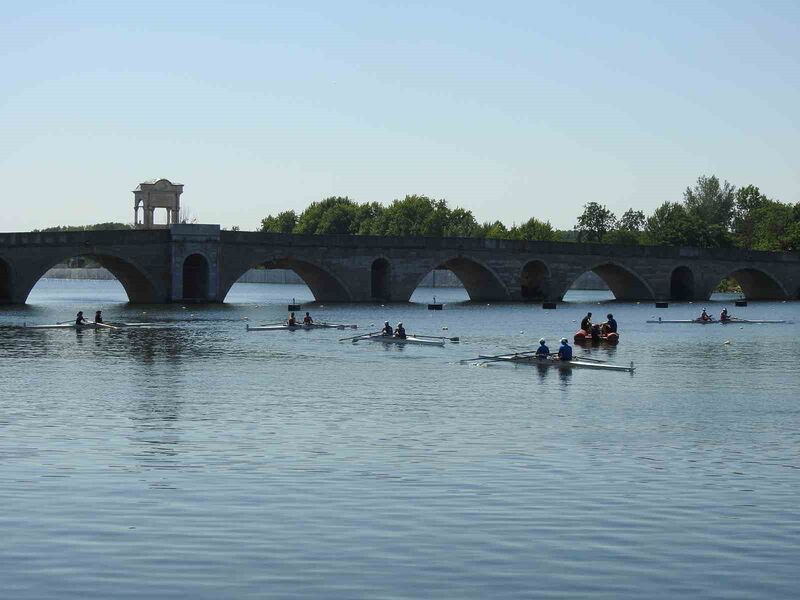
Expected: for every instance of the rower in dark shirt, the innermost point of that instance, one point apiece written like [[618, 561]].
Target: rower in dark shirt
[[586, 323], [610, 326], [387, 329], [98, 317], [291, 320], [79, 319], [400, 331]]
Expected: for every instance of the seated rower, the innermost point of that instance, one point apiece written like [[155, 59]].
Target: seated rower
[[79, 319], [724, 316], [98, 317], [565, 350], [586, 323], [387, 329], [307, 320], [542, 351], [291, 320], [610, 326], [704, 316], [400, 331]]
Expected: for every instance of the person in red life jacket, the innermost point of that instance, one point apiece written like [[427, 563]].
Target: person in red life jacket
[[291, 320], [724, 316], [307, 320], [704, 316]]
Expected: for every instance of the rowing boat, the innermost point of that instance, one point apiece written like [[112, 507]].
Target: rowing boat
[[715, 322], [285, 327], [70, 326], [410, 339], [527, 359], [89, 325]]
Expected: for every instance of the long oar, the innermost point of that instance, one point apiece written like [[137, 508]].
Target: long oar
[[363, 335], [503, 356], [436, 337], [105, 326], [587, 359]]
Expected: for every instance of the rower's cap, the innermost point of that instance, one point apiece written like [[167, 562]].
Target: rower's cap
[[609, 316], [563, 340], [541, 341], [386, 322], [400, 324]]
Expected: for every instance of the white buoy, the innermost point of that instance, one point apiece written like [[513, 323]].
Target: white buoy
[[727, 343]]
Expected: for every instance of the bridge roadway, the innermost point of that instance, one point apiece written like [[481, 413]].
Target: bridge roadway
[[200, 263]]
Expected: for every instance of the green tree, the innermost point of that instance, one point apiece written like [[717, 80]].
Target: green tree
[[595, 222], [284, 222], [629, 230], [711, 201], [535, 230], [494, 230], [331, 215]]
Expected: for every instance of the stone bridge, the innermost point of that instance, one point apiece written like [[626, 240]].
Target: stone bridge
[[200, 263]]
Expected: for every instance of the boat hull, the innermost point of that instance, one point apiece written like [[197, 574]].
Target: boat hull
[[575, 363], [729, 322], [300, 327], [401, 341], [585, 337]]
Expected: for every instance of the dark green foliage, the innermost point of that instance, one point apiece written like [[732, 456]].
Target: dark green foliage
[[711, 215], [96, 227], [284, 222], [595, 222]]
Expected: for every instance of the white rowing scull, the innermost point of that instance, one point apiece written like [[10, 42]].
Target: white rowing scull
[[731, 321], [285, 327], [529, 359]]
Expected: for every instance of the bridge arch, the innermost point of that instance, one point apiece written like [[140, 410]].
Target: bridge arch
[[757, 284], [535, 280], [324, 284], [5, 282], [195, 277], [480, 281], [623, 282], [380, 279], [681, 284], [135, 280]]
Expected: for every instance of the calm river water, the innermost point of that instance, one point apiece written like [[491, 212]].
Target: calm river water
[[203, 461]]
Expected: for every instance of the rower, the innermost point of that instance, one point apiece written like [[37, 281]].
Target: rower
[[307, 320], [610, 326], [565, 350], [542, 351], [79, 319], [586, 323], [704, 316], [723, 316], [400, 331], [98, 317], [387, 329], [291, 320]]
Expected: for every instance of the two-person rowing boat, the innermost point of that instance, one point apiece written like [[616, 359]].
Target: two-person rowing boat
[[308, 323], [542, 357], [725, 319], [398, 336], [82, 322]]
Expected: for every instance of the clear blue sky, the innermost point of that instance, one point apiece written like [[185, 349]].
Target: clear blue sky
[[510, 109]]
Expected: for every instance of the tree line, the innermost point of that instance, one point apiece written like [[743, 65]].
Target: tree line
[[711, 214]]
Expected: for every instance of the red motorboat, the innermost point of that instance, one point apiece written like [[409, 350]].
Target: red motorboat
[[586, 337]]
